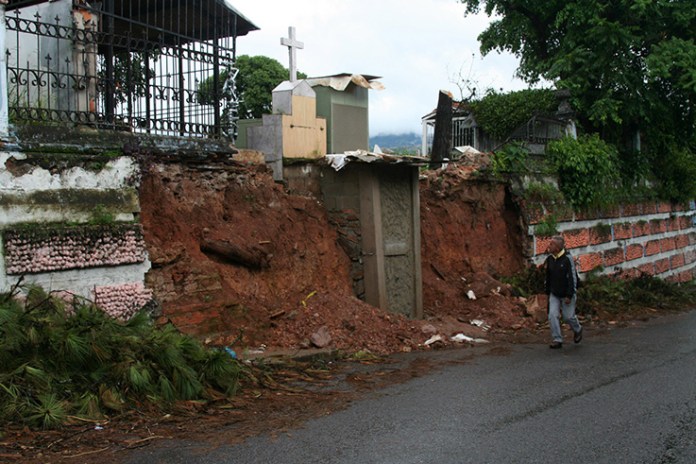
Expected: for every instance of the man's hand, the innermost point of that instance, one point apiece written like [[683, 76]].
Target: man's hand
[[566, 300]]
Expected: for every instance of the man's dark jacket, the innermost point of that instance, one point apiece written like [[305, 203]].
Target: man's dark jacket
[[561, 278]]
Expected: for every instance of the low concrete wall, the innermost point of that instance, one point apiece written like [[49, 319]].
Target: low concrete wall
[[69, 222], [654, 238]]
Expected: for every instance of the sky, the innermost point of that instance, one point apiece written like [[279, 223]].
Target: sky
[[418, 47]]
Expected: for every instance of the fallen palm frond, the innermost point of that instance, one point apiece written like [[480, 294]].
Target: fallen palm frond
[[56, 364]]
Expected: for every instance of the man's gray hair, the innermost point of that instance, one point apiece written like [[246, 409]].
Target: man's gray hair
[[559, 239]]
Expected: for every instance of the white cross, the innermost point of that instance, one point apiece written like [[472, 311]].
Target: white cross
[[292, 45]]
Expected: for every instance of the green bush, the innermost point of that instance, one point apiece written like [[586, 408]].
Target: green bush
[[512, 158], [588, 170], [499, 114], [56, 364]]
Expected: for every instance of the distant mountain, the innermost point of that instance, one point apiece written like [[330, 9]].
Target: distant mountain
[[408, 142]]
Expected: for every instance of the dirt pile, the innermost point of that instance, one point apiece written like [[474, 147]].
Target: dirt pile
[[303, 297], [471, 237], [306, 286]]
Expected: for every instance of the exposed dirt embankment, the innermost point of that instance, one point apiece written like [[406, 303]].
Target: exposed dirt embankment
[[271, 271], [305, 287], [471, 236]]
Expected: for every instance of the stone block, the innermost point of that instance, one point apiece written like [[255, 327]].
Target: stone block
[[658, 226], [664, 207], [661, 266], [623, 231], [648, 268], [632, 209], [600, 234], [634, 251], [613, 257], [682, 241], [641, 228], [673, 224], [652, 247], [650, 207], [589, 261], [577, 238], [690, 256], [541, 243], [685, 222], [676, 261], [667, 244]]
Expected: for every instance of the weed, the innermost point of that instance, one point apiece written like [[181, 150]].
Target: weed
[[548, 227]]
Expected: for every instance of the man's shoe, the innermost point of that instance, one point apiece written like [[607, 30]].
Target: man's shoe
[[577, 338], [556, 345]]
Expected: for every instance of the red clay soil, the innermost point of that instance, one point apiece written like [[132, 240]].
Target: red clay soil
[[306, 287], [469, 238]]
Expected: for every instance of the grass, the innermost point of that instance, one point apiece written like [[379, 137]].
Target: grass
[[613, 294]]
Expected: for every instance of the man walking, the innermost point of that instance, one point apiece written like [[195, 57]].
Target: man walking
[[561, 287]]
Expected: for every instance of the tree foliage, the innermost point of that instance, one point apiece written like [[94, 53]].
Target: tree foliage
[[258, 76], [630, 65], [587, 169], [55, 364]]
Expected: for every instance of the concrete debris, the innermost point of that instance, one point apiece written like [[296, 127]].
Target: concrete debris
[[321, 338], [480, 323], [537, 308], [434, 339], [428, 329], [461, 338], [471, 295]]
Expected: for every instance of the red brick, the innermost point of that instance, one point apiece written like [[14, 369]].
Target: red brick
[[674, 278], [682, 241], [600, 235], [668, 244], [610, 212], [630, 273], [676, 261], [535, 214], [577, 238], [585, 215], [613, 257], [658, 226], [673, 224], [664, 207], [632, 209], [541, 243], [685, 276], [648, 268], [641, 228], [623, 231], [662, 266], [692, 238], [649, 207], [634, 251], [589, 261], [685, 222], [652, 247]]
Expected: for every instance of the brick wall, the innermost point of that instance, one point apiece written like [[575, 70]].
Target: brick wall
[[655, 238]]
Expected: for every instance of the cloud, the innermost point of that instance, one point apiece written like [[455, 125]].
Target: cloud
[[416, 46]]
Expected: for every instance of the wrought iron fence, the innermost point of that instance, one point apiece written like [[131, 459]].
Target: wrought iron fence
[[161, 67]]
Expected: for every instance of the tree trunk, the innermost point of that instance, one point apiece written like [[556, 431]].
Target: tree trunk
[[442, 141], [250, 257]]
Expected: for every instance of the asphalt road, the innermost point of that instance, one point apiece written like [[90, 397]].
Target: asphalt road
[[627, 396]]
